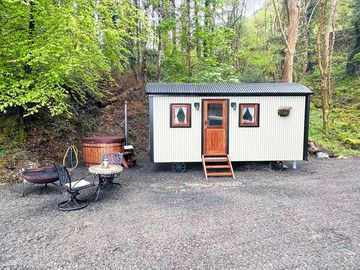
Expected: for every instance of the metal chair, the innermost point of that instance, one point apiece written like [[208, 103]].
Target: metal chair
[[115, 158], [73, 188]]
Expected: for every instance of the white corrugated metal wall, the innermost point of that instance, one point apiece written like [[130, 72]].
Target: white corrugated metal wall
[[276, 138]]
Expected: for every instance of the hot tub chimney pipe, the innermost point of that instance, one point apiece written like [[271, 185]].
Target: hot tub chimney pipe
[[126, 124]]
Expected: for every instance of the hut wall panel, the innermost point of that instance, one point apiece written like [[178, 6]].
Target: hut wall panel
[[277, 138], [176, 144]]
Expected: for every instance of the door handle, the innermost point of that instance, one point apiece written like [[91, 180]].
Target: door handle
[[205, 122]]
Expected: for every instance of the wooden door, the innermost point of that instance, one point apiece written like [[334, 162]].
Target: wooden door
[[215, 126]]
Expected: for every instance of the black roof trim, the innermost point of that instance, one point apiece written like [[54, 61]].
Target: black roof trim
[[229, 89]]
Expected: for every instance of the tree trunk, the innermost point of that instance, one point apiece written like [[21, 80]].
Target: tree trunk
[[291, 38], [188, 39], [294, 11], [138, 32], [306, 36], [32, 19], [324, 45], [197, 39], [159, 49], [353, 66], [138, 41], [144, 56], [173, 14], [160, 15], [309, 8], [207, 19], [31, 29]]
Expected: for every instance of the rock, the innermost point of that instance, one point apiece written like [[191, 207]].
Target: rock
[[319, 152], [87, 223], [328, 152], [322, 155], [312, 148], [113, 99], [106, 101]]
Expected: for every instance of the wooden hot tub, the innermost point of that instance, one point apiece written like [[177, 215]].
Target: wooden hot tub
[[94, 147]]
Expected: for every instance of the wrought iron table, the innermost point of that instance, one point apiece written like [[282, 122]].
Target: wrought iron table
[[106, 176]]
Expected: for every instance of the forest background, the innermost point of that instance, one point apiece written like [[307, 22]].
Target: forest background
[[65, 65]]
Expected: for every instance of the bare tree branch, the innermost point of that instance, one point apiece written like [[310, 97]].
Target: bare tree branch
[[312, 12], [280, 24]]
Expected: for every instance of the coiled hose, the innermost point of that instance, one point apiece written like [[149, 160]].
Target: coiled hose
[[71, 158]]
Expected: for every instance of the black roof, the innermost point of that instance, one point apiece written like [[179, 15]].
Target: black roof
[[234, 89]]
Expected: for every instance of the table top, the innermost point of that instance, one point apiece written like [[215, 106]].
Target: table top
[[111, 169]]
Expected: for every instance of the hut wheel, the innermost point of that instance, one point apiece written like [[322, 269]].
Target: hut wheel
[[178, 167], [276, 165]]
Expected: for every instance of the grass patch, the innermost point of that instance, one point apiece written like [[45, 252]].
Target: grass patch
[[344, 136]]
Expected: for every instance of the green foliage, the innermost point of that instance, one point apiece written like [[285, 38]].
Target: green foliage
[[353, 65], [234, 52], [215, 72], [151, 67], [357, 57], [12, 134], [344, 135], [173, 67], [252, 49], [344, 138], [53, 54], [343, 8], [211, 68], [54, 51]]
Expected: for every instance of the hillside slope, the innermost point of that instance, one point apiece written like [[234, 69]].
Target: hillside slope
[[44, 139]]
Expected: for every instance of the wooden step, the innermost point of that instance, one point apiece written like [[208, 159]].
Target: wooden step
[[222, 169], [219, 174], [231, 167], [204, 166], [216, 157], [216, 160], [218, 167]]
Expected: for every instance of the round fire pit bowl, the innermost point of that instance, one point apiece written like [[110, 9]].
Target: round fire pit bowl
[[40, 176]]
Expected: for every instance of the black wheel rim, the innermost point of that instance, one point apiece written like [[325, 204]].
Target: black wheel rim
[[276, 166], [179, 167]]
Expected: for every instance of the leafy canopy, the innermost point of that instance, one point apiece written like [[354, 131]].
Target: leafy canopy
[[54, 51]]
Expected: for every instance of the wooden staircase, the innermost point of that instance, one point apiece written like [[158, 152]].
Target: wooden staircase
[[217, 165]]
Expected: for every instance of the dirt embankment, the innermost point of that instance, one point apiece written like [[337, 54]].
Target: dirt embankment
[[111, 118]]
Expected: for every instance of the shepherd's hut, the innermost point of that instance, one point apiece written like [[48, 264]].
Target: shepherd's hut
[[217, 123]]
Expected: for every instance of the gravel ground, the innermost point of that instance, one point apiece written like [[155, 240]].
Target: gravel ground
[[303, 219]]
